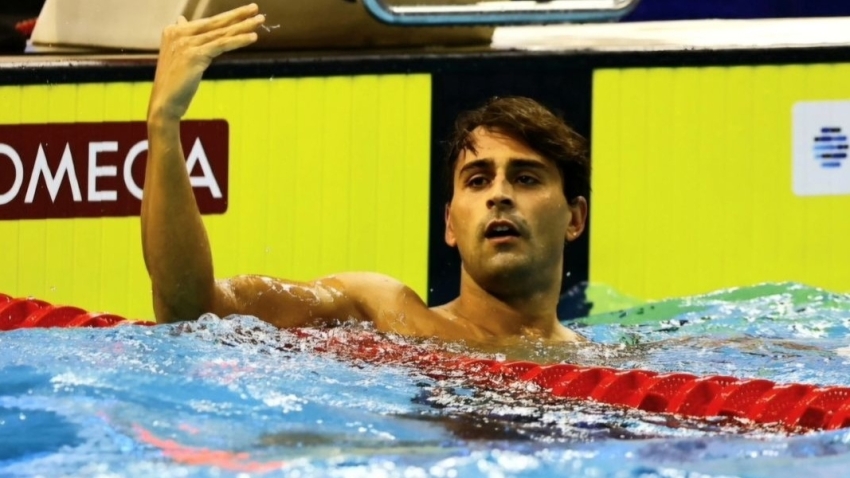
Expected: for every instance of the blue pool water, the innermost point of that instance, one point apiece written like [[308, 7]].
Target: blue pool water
[[237, 397]]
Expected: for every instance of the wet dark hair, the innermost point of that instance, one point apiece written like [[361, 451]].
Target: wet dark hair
[[532, 123]]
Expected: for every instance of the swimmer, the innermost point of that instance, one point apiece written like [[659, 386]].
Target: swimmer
[[520, 177]]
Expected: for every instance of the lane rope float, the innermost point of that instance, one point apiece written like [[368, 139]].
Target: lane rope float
[[803, 406]]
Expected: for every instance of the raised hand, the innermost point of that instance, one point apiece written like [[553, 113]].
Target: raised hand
[[188, 48]]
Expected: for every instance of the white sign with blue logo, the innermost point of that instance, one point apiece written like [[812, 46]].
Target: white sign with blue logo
[[821, 129]]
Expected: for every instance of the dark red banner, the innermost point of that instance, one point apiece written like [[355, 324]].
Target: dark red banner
[[67, 170]]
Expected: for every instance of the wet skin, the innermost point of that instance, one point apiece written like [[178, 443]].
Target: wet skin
[[508, 218]]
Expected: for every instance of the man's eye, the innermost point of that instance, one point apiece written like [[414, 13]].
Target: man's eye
[[526, 179], [477, 181]]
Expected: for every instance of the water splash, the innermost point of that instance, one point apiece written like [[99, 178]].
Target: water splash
[[147, 401]]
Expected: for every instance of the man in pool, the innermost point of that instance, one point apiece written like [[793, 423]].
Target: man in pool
[[520, 177]]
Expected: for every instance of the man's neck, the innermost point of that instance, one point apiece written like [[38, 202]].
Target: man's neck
[[531, 314]]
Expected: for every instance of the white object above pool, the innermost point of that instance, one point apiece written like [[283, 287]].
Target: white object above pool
[[678, 35]]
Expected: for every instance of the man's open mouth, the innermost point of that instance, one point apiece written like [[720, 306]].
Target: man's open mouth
[[497, 229]]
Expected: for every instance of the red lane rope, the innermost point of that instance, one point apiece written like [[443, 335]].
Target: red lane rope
[[759, 400]]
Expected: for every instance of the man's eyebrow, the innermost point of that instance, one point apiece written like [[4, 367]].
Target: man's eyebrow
[[526, 163], [514, 163], [482, 163]]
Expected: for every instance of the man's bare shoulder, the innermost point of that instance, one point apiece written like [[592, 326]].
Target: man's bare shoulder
[[389, 304], [395, 307], [366, 284], [284, 303], [375, 292]]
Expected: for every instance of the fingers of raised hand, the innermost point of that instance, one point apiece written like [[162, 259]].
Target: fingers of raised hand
[[229, 43], [247, 25], [222, 20], [236, 29]]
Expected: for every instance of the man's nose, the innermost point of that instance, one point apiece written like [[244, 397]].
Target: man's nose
[[501, 195]]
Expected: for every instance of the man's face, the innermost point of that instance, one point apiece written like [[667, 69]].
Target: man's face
[[508, 216]]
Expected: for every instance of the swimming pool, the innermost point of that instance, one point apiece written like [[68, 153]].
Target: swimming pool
[[240, 398]]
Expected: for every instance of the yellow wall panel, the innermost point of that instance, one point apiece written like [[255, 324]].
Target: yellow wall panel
[[692, 183], [10, 232], [325, 175]]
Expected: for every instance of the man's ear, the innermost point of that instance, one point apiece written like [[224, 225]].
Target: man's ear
[[578, 218], [450, 233]]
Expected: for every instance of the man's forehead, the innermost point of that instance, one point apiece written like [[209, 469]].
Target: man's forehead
[[496, 146]]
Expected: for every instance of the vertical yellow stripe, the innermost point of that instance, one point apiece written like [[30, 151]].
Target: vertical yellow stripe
[[633, 170], [10, 231], [60, 246], [308, 171], [250, 130], [605, 214], [279, 182], [85, 273], [794, 81], [768, 212], [710, 249], [390, 166], [138, 294], [416, 175], [682, 136], [122, 264], [32, 262], [737, 158], [657, 103], [336, 153], [364, 180]]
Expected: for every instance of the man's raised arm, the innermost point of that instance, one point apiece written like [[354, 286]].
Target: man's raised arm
[[174, 240], [176, 247]]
